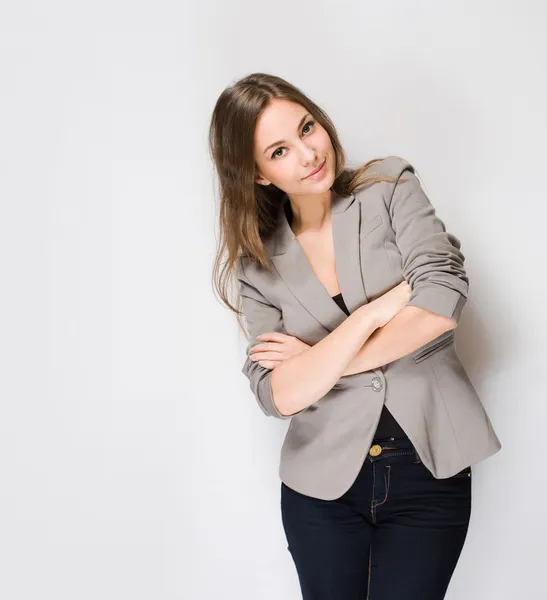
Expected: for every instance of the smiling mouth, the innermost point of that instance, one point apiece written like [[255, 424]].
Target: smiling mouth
[[316, 170]]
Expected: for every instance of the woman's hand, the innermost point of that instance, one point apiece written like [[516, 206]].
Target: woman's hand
[[389, 304], [274, 348]]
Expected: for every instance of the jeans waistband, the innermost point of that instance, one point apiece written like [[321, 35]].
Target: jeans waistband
[[393, 445]]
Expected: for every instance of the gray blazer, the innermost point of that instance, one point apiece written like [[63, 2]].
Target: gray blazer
[[383, 233]]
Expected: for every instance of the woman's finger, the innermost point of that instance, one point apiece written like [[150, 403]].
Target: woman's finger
[[266, 356], [269, 364], [273, 336], [264, 346]]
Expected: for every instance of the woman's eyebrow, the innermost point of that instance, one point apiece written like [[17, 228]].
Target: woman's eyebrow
[[283, 141]]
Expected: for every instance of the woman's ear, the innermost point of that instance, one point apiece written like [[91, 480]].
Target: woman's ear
[[259, 179], [262, 180]]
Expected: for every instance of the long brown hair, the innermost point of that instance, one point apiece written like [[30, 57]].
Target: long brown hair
[[247, 209]]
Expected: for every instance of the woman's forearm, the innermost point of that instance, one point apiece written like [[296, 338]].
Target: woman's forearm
[[306, 377], [410, 329]]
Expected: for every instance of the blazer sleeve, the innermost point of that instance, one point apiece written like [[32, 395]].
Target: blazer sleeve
[[433, 264], [260, 316]]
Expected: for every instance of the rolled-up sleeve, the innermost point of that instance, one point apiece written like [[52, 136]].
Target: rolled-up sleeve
[[433, 263], [260, 316]]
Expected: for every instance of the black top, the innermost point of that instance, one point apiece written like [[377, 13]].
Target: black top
[[340, 301], [387, 426]]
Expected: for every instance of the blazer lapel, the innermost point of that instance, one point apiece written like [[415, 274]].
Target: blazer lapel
[[289, 259]]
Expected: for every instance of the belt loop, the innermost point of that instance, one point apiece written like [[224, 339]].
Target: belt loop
[[418, 459]]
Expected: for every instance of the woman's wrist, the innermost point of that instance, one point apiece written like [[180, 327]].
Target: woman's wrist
[[369, 316]]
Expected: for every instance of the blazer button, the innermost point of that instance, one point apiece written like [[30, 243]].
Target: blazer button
[[375, 450], [377, 384]]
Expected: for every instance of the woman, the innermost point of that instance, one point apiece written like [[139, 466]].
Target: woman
[[351, 289]]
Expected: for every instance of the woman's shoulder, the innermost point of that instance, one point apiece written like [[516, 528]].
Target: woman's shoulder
[[391, 165], [396, 168], [251, 270]]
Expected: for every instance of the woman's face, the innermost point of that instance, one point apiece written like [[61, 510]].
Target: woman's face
[[289, 144]]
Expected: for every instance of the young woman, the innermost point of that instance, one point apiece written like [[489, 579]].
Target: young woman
[[351, 288]]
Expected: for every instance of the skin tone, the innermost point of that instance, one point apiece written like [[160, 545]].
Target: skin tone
[[288, 145], [305, 145]]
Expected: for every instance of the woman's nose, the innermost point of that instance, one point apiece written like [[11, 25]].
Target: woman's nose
[[308, 156]]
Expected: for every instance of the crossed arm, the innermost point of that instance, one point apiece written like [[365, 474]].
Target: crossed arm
[[433, 265], [356, 345], [410, 329]]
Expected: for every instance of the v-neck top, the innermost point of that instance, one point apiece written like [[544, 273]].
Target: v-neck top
[[340, 301], [387, 426]]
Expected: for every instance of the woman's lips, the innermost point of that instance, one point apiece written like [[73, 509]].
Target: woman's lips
[[318, 172]]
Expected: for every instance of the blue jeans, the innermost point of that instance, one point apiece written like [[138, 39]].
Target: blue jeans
[[397, 533]]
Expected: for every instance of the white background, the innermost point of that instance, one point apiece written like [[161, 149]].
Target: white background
[[134, 461]]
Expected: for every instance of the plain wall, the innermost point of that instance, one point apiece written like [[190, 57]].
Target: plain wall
[[134, 460]]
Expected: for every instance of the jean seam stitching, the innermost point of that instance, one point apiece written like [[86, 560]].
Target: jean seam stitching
[[395, 454], [386, 485], [369, 570]]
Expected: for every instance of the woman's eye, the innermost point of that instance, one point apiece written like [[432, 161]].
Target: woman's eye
[[275, 155], [312, 122]]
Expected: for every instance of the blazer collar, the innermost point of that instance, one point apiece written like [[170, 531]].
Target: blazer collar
[[289, 259]]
